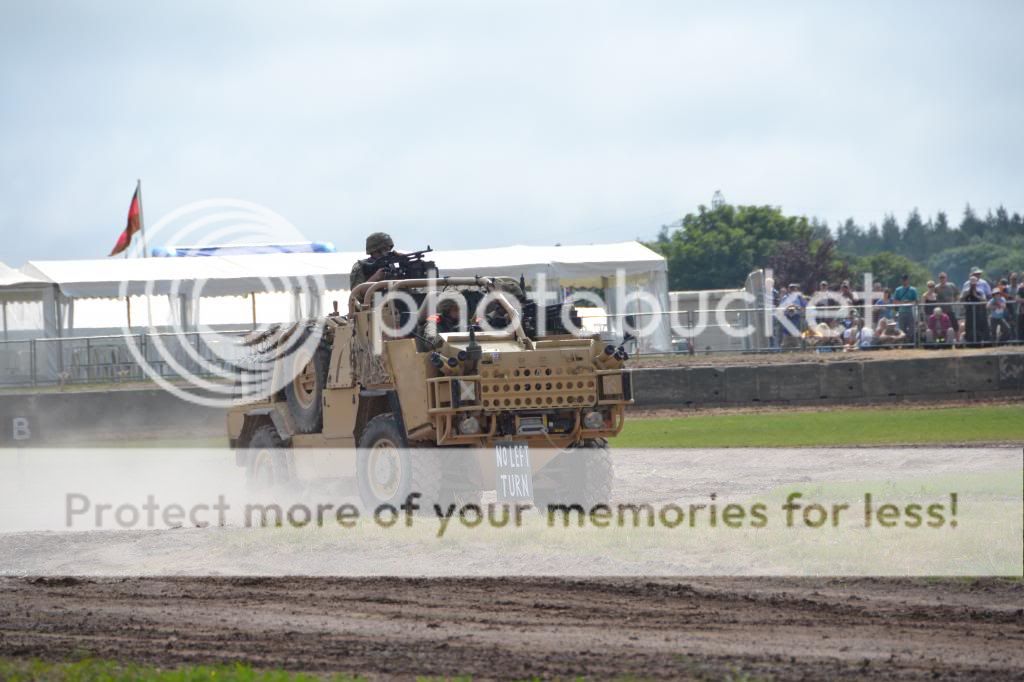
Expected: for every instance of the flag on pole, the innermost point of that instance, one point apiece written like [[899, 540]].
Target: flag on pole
[[134, 222]]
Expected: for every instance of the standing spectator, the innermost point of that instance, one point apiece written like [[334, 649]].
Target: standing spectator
[[930, 295], [825, 299], [946, 295], [906, 294], [1009, 288], [794, 297], [884, 304], [1020, 311], [928, 301], [793, 304], [940, 328], [975, 329], [999, 316], [849, 298], [983, 286]]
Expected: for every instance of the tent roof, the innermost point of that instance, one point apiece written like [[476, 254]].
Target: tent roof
[[9, 277], [242, 274], [18, 286]]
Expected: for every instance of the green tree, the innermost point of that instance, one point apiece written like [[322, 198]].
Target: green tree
[[890, 234], [809, 261], [995, 257], [887, 268], [913, 242], [718, 247]]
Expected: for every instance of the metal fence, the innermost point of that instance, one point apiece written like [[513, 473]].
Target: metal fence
[[712, 330], [109, 359]]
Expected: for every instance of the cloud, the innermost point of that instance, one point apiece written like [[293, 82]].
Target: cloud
[[469, 124]]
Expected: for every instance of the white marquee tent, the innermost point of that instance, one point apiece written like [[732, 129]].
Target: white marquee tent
[[87, 297]]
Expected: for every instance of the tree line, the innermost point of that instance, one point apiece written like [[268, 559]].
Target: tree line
[[717, 247]]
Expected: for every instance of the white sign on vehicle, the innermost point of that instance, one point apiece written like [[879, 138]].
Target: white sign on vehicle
[[514, 477]]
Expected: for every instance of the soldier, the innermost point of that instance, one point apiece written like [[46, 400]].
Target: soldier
[[495, 314], [377, 245], [444, 321]]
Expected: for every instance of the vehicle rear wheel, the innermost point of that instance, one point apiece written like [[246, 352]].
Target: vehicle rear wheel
[[304, 392], [582, 476], [388, 471], [269, 465]]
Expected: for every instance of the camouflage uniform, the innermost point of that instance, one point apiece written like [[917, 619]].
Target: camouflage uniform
[[377, 241]]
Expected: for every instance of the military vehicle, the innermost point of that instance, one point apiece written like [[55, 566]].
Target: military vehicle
[[447, 420]]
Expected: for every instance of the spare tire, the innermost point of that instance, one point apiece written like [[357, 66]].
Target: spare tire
[[304, 392]]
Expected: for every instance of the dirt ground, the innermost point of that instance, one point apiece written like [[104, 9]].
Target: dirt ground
[[709, 628]]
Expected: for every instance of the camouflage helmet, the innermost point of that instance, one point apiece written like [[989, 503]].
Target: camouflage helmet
[[379, 241], [509, 287]]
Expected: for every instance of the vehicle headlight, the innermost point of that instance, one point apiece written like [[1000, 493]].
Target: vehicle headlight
[[593, 420]]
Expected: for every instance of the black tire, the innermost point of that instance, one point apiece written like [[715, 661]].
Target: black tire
[[582, 476], [304, 392], [269, 462], [388, 471]]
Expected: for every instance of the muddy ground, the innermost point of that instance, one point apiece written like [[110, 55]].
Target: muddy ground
[[519, 628], [705, 628]]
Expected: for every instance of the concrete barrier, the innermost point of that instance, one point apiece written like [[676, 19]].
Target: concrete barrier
[[88, 416], [116, 415], [996, 375]]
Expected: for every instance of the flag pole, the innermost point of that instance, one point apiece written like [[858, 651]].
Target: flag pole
[[142, 220]]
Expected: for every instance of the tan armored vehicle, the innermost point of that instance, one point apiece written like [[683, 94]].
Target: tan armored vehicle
[[447, 417]]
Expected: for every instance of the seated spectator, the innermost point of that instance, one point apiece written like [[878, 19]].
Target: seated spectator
[[940, 328], [865, 338], [890, 334], [851, 335]]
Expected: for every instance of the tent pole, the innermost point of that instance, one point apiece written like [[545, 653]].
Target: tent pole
[[5, 320], [252, 295], [128, 305]]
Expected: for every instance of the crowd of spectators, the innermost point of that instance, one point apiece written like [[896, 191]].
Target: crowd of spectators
[[977, 313]]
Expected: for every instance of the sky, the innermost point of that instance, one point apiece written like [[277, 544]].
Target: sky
[[475, 124]]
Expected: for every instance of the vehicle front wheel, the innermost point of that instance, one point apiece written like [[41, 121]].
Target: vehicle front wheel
[[582, 476], [388, 471]]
